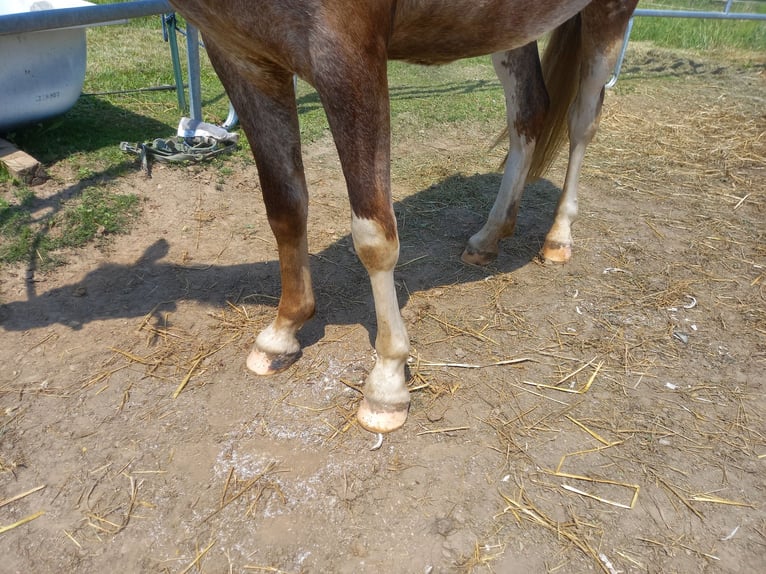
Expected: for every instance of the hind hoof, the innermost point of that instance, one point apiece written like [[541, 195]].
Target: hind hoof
[[381, 420], [555, 252], [477, 257]]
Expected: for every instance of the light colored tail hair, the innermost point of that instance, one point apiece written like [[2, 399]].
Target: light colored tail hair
[[561, 70]]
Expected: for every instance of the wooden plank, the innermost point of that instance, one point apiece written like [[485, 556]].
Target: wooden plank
[[21, 165]]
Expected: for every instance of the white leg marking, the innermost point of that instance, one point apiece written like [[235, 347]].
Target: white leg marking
[[385, 392], [583, 123], [502, 216]]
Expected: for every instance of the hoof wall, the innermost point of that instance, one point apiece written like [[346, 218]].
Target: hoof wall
[[381, 420], [475, 257], [262, 363], [556, 252]]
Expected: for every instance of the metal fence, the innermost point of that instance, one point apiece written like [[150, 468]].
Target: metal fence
[[104, 13], [726, 13]]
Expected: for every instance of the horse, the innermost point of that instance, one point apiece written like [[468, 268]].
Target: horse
[[341, 48]]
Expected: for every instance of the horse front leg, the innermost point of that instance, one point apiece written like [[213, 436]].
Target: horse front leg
[[526, 101], [355, 97], [265, 102]]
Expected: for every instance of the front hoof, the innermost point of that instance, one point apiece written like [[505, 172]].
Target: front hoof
[[477, 257], [262, 363], [556, 252], [381, 420]]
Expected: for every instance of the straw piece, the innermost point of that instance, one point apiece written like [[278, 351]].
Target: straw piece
[[471, 366], [630, 559], [573, 373], [188, 376], [680, 497], [537, 394], [594, 497], [198, 557], [196, 363], [131, 357], [4, 529], [717, 500], [226, 487], [592, 433], [586, 451], [72, 539], [20, 496], [436, 431]]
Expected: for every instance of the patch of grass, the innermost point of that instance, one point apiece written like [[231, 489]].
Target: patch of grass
[[423, 96], [96, 212], [15, 232], [696, 34]]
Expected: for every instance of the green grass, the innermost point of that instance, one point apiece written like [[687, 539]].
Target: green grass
[[697, 34], [124, 60], [95, 212]]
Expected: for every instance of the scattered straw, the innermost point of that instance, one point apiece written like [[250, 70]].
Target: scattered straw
[[248, 485], [470, 332], [581, 391], [525, 509], [558, 472]]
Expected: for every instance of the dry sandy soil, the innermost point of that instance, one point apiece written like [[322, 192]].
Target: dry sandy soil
[[628, 437]]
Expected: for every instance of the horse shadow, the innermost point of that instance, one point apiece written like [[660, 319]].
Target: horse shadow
[[434, 225]]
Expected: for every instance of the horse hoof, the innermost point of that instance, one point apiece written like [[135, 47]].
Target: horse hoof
[[262, 363], [381, 420], [555, 252], [477, 257]]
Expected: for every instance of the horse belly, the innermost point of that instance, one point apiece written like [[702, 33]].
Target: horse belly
[[438, 31]]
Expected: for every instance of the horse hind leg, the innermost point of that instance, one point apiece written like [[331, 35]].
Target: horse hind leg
[[265, 102], [526, 101], [603, 25]]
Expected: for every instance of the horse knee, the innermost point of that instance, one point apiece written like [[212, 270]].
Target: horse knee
[[377, 248]]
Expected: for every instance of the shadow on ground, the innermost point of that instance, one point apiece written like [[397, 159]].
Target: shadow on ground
[[434, 225]]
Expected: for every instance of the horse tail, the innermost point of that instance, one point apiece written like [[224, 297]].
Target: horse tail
[[561, 71]]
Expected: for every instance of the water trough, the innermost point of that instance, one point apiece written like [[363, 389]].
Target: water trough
[[43, 49]]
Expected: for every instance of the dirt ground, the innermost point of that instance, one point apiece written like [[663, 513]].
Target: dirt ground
[[626, 436]]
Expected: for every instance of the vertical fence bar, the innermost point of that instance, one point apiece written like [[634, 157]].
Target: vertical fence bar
[[192, 57], [169, 27]]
